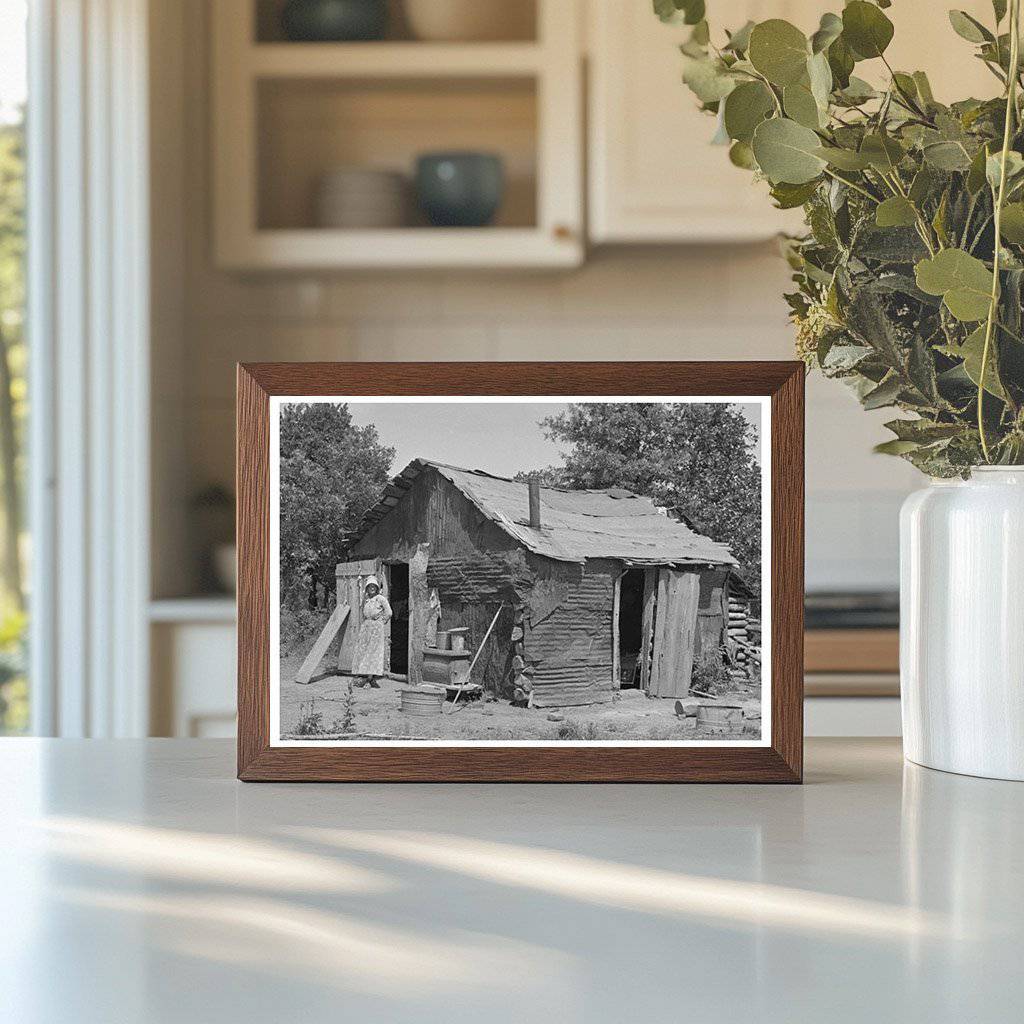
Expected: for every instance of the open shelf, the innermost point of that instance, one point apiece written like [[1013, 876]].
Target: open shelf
[[410, 248], [520, 22], [393, 60], [309, 127], [286, 114]]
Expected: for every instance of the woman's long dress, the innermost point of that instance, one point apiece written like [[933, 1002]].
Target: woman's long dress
[[371, 644]]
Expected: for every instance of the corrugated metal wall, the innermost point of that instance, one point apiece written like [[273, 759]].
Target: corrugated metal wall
[[569, 643]]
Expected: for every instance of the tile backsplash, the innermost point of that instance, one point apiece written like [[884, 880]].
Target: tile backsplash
[[709, 303]]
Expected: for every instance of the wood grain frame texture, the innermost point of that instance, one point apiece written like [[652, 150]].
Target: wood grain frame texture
[[781, 761]]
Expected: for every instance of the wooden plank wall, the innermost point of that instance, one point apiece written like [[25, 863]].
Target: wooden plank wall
[[674, 633]]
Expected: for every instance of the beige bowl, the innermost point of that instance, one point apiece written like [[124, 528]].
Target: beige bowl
[[362, 198], [471, 20]]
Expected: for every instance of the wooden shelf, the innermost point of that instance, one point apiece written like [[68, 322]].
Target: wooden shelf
[[284, 114], [318, 248], [393, 60]]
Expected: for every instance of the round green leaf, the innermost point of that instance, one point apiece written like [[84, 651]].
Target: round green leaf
[[844, 159], [829, 30], [994, 164], [819, 75], [787, 152], [976, 174], [1012, 224], [972, 352], [968, 28], [788, 197], [741, 155], [690, 12], [963, 281], [896, 447], [801, 106], [858, 91], [779, 51], [866, 29], [745, 108], [840, 62], [740, 39], [883, 152], [707, 79], [947, 156], [895, 212]]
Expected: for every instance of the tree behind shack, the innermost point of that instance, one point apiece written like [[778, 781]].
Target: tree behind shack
[[331, 472]]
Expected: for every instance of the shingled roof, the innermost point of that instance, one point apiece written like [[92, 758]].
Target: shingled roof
[[575, 525]]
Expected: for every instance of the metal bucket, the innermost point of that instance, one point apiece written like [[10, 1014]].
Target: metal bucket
[[423, 701], [719, 719]]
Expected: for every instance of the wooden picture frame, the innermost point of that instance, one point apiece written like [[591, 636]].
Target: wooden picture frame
[[779, 759]]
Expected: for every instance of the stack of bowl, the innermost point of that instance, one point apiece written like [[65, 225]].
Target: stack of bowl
[[362, 197]]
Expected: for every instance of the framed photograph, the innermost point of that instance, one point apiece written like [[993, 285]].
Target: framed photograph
[[520, 571]]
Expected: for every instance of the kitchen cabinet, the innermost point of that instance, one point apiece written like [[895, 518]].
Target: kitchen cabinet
[[287, 114], [654, 177]]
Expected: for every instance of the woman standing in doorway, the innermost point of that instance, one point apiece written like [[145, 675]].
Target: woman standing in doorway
[[371, 644]]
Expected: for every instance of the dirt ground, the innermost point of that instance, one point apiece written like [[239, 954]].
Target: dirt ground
[[324, 710]]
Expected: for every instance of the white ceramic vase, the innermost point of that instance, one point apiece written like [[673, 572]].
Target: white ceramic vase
[[962, 624]]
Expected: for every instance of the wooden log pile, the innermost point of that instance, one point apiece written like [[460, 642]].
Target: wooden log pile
[[739, 640]]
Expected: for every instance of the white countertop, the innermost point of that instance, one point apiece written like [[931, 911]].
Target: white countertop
[[140, 882]]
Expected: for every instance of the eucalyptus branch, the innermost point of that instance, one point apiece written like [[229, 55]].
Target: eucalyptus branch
[[910, 175], [771, 90], [1011, 110], [977, 237], [853, 185], [995, 71], [909, 100]]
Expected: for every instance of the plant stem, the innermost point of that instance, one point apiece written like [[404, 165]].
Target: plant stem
[[910, 102], [1011, 108], [980, 232], [775, 98], [853, 185]]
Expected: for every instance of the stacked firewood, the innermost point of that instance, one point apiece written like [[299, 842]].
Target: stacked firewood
[[740, 644]]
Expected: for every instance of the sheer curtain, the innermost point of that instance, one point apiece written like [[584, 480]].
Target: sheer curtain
[[88, 325]]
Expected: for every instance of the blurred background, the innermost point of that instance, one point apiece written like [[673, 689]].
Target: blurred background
[[368, 180]]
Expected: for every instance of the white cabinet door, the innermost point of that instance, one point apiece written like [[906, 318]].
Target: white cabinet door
[[654, 177]]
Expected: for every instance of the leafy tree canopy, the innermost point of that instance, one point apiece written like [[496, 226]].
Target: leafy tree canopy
[[698, 460], [331, 472]]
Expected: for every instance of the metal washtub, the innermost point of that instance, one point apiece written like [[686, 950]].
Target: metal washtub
[[422, 701]]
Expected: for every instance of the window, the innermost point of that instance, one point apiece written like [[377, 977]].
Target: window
[[14, 691]]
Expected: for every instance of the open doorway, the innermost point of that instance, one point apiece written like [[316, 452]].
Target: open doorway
[[398, 598], [631, 613]]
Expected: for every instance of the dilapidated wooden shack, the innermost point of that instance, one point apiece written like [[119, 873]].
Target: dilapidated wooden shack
[[594, 590]]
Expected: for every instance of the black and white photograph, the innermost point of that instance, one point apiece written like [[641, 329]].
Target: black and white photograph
[[519, 571]]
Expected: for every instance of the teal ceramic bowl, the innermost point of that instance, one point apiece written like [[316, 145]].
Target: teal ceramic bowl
[[334, 21], [461, 190]]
